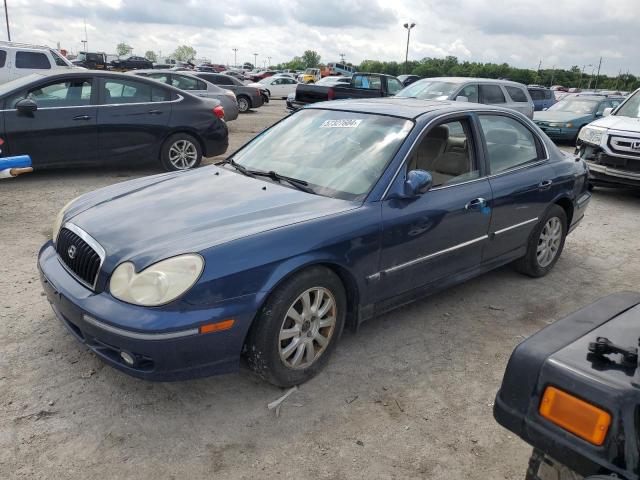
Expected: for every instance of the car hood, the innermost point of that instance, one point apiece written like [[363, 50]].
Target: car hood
[[618, 123], [152, 218], [551, 116]]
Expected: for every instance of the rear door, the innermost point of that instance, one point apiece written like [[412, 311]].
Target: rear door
[[521, 179], [189, 84], [63, 130], [133, 119]]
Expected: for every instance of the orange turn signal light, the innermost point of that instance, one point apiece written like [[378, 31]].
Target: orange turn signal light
[[575, 415], [218, 326]]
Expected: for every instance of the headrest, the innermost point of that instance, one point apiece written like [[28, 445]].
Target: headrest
[[502, 136], [440, 132]]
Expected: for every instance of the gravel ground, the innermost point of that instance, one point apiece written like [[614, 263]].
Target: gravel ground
[[409, 396]]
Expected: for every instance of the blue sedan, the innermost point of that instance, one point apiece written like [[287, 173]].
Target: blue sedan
[[335, 214]]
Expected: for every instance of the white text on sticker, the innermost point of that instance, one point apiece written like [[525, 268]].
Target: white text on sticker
[[347, 123]]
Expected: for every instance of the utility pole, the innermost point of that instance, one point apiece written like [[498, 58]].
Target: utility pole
[[86, 39], [6, 16], [553, 74], [235, 57], [255, 60], [406, 56], [593, 72], [582, 74], [84, 47], [342, 57], [599, 65], [269, 61]]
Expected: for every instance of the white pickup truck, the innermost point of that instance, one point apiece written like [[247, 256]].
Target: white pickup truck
[[611, 145]]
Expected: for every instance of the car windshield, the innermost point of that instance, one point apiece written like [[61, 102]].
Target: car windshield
[[630, 108], [429, 90], [575, 105], [267, 80], [339, 154]]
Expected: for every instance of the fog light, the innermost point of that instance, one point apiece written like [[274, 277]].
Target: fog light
[[127, 358]]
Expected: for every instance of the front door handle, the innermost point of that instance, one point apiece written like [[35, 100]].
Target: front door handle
[[154, 112], [545, 184], [475, 204], [82, 117]]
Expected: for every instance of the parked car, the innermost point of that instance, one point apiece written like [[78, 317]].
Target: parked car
[[188, 82], [278, 87], [408, 79], [235, 74], [92, 60], [89, 117], [132, 63], [611, 145], [255, 77], [19, 60], [571, 391], [361, 85], [247, 97], [503, 93], [310, 75], [542, 97], [563, 120], [338, 212], [559, 88]]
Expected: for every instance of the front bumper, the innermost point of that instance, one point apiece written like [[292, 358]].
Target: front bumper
[[610, 170], [559, 133], [92, 318]]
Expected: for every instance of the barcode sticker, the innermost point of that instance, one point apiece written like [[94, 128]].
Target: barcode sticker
[[347, 123]]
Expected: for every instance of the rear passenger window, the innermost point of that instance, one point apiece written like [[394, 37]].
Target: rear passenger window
[[188, 83], [393, 85], [491, 94], [3, 58], [34, 60], [509, 143], [516, 94], [446, 152], [470, 92], [128, 91]]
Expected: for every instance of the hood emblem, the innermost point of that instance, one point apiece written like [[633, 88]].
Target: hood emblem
[[72, 252], [636, 145]]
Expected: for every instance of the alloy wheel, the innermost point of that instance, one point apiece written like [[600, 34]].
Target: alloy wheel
[[549, 242], [243, 104], [183, 154], [307, 328]]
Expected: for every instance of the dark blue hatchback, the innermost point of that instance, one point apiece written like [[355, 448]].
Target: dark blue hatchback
[[335, 214]]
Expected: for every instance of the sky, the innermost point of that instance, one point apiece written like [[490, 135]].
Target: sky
[[559, 33]]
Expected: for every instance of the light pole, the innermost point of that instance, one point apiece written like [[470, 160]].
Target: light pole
[[582, 74], [269, 62], [235, 57], [6, 15], [593, 72], [84, 43], [255, 60], [406, 56]]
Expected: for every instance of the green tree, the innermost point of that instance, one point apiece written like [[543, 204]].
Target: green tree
[[151, 56], [123, 49], [311, 59], [184, 53]]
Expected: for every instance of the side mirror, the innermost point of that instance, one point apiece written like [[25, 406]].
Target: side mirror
[[26, 105], [607, 111], [417, 183], [460, 98]]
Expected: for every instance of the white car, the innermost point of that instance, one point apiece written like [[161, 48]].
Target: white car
[[277, 87], [19, 60]]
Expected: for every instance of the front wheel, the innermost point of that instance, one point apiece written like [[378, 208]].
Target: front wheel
[[298, 328], [545, 244], [180, 152]]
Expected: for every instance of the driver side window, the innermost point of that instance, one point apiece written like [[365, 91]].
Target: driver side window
[[447, 153]]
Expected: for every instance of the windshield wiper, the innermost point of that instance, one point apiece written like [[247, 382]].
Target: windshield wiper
[[297, 183]]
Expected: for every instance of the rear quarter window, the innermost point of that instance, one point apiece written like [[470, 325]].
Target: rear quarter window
[[3, 58], [32, 60], [516, 94]]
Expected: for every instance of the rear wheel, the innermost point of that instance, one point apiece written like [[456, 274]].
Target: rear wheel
[[243, 104], [298, 328], [545, 244], [181, 151]]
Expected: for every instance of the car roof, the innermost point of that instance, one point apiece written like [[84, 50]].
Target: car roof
[[409, 108], [474, 79]]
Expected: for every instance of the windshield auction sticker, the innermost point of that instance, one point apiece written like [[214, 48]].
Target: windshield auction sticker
[[348, 123]]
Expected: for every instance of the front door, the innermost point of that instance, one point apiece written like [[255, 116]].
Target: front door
[[63, 129], [441, 233]]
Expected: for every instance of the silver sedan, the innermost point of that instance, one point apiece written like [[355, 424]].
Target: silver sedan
[[195, 86]]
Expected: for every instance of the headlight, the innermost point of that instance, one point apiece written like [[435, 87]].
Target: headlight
[[57, 222], [591, 135], [555, 124], [158, 284], [569, 125]]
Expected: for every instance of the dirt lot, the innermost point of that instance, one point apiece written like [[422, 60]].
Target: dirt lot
[[409, 396]]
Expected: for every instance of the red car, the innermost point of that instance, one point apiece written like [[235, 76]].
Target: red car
[[263, 74]]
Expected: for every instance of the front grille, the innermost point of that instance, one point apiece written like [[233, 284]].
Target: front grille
[[78, 256], [625, 145]]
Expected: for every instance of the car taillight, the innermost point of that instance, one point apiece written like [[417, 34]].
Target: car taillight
[[218, 111], [330, 94]]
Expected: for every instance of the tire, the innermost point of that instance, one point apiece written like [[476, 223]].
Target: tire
[[170, 155], [243, 104], [277, 341], [553, 226]]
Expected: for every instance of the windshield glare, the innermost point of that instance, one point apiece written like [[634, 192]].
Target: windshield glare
[[428, 90], [630, 108], [575, 105], [340, 154]]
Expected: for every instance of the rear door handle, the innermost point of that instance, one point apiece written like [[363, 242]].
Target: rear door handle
[[155, 112], [476, 204], [82, 117], [545, 184]]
